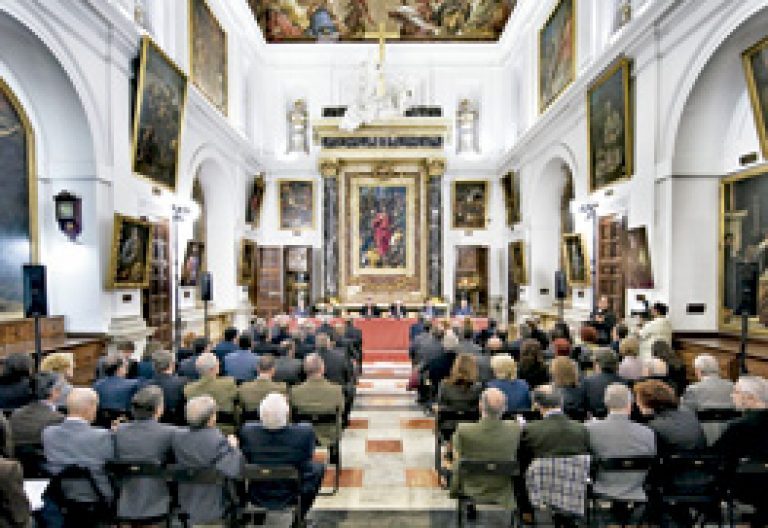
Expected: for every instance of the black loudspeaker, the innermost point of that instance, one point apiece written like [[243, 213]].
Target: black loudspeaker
[[561, 286], [206, 286], [747, 272], [35, 292]]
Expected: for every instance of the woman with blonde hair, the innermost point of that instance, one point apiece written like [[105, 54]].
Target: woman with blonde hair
[[565, 377], [517, 391], [61, 364]]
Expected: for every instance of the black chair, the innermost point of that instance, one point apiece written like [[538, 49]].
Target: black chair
[[250, 415], [270, 475], [688, 481], [713, 421], [122, 472], [747, 479], [32, 460], [617, 466], [202, 476], [446, 421], [334, 449], [77, 513], [483, 468]]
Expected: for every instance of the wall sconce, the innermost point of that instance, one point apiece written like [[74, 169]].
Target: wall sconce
[[69, 214]]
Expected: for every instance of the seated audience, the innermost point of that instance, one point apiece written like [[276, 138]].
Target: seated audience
[[397, 310], [126, 349], [428, 345], [145, 369], [673, 359], [338, 367], [460, 391], [221, 388], [561, 347], [253, 392], [489, 439], [281, 329], [242, 363], [565, 378], [227, 345], [171, 385], [203, 446], [516, 391], [15, 381], [594, 386], [439, 367], [618, 437], [676, 429], [114, 390], [416, 329], [467, 343], [463, 309], [145, 440], [27, 423], [274, 441], [658, 329], [353, 333], [619, 334], [61, 364], [531, 367], [317, 394], [656, 368], [14, 505], [261, 344], [74, 442], [631, 367], [495, 345], [288, 367], [187, 368], [187, 346], [710, 391], [485, 334]]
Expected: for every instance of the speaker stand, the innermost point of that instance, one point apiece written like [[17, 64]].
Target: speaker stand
[[38, 344], [743, 342], [561, 310], [205, 319]]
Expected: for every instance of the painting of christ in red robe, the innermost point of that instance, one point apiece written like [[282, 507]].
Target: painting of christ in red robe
[[382, 233], [382, 227]]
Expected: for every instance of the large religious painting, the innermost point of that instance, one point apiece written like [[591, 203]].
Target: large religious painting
[[576, 262], [637, 258], [609, 127], [17, 199], [255, 201], [470, 204], [510, 184], [246, 268], [755, 61], [354, 20], [297, 201], [557, 52], [158, 116], [192, 266], [130, 259], [518, 269], [381, 234], [208, 53]]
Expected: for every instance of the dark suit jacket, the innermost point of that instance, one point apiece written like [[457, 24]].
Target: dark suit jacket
[[338, 369], [354, 333], [439, 367], [677, 430], [280, 335], [145, 370], [187, 368], [131, 373], [574, 403], [555, 435], [266, 348], [144, 441], [14, 506], [415, 329], [15, 395], [288, 370], [173, 396], [594, 391], [28, 422], [293, 445], [222, 349], [115, 392], [746, 436], [535, 375]]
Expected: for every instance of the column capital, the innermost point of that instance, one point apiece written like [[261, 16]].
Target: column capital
[[329, 167], [435, 167]]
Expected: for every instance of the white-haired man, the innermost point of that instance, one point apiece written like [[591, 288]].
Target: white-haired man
[[711, 391], [274, 441]]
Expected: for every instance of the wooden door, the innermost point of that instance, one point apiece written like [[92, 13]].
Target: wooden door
[[156, 299], [610, 262], [471, 277], [269, 278]]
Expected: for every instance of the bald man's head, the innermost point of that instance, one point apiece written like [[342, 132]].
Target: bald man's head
[[493, 403], [82, 403]]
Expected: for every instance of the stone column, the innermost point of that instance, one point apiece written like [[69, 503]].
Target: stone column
[[435, 171], [330, 171]]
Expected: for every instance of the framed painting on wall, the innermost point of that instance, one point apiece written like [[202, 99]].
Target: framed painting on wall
[[755, 61], [609, 127], [158, 117], [557, 52], [246, 266], [510, 183], [255, 201], [297, 204], [193, 263], [576, 261], [208, 53], [637, 258], [470, 204], [130, 262], [518, 268]]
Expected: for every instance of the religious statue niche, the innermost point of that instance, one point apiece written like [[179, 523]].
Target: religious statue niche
[[576, 261], [557, 53], [470, 204], [193, 263], [510, 184], [255, 201], [208, 53], [467, 128], [158, 117], [130, 256], [18, 199], [297, 204], [297, 128], [755, 61], [609, 127]]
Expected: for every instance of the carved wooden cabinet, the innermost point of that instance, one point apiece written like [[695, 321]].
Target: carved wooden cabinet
[[610, 262], [156, 299], [269, 281], [471, 277]]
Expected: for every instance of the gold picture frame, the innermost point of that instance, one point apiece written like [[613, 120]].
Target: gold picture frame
[[193, 264], [610, 162], [757, 86], [255, 201], [292, 202], [577, 268], [208, 50], [147, 142], [127, 261], [518, 264], [464, 204], [565, 11], [246, 263]]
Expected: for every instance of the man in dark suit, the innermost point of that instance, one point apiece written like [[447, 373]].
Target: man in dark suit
[[397, 310], [227, 346], [14, 506], [114, 390], [27, 423], [171, 385], [125, 349], [145, 440], [416, 328], [242, 364], [325, 328], [603, 320], [352, 332], [274, 441], [187, 368], [463, 309], [486, 333], [288, 368], [338, 370], [606, 364], [430, 347], [280, 331], [369, 309], [262, 345]]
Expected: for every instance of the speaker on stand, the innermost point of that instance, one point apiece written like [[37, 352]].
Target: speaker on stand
[[561, 292], [206, 294], [747, 272], [35, 302]]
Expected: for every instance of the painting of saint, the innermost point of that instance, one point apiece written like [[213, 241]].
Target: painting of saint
[[246, 268], [557, 53], [16, 145], [518, 270], [208, 48], [193, 263], [755, 61], [130, 253], [158, 117], [609, 126], [637, 258], [297, 199], [576, 263], [255, 200], [382, 227], [470, 204]]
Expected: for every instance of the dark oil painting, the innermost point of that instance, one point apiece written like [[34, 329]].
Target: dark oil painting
[[193, 263], [209, 54], [130, 253], [297, 204], [557, 53]]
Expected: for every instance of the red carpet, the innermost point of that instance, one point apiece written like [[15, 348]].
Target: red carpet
[[388, 356]]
